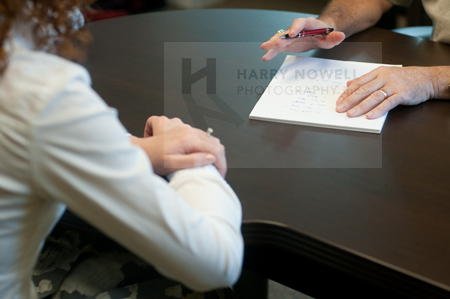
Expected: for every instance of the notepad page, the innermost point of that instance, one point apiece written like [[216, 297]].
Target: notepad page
[[305, 90]]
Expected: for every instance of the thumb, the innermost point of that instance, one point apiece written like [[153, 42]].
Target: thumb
[[331, 40]]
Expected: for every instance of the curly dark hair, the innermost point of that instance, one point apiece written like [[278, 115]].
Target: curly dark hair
[[53, 27]]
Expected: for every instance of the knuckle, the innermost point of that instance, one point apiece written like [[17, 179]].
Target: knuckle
[[347, 92], [151, 118], [363, 90], [381, 71], [216, 139], [219, 149], [377, 97], [186, 128], [160, 120], [357, 83], [392, 101]]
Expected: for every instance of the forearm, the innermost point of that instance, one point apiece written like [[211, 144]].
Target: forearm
[[352, 16], [219, 242]]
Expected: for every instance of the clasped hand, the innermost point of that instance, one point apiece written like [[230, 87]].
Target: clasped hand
[[173, 145]]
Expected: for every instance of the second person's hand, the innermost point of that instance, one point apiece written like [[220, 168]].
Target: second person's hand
[[275, 45], [384, 88]]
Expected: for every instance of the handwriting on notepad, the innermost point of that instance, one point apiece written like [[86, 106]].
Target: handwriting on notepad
[[316, 100], [313, 105]]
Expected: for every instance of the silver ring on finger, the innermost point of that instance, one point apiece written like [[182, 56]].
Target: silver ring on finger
[[209, 132]]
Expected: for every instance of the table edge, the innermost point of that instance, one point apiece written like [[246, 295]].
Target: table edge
[[268, 234]]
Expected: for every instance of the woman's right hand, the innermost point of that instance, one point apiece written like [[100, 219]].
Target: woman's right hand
[[173, 145]]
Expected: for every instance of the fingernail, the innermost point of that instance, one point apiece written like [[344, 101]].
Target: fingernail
[[351, 112], [210, 158], [339, 100], [340, 107], [369, 115]]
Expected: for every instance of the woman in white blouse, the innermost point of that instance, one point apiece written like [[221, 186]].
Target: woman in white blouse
[[62, 146]]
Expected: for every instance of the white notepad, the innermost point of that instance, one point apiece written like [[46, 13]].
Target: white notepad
[[304, 92]]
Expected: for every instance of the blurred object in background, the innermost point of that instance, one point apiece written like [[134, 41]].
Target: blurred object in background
[[106, 9], [186, 4]]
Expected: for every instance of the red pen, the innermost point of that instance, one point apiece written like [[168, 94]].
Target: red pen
[[304, 33]]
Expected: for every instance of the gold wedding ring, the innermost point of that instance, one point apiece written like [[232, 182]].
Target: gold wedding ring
[[384, 93]]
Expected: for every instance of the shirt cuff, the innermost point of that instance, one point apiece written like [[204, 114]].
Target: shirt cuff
[[208, 169]]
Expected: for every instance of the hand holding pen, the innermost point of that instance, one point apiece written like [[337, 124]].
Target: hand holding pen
[[304, 34]]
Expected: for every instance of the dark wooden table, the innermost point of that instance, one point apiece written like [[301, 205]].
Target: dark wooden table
[[326, 212]]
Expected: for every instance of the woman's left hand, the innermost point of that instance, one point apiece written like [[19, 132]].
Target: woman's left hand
[[382, 89]]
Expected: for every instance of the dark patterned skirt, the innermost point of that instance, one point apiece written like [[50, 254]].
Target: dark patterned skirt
[[78, 262]]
